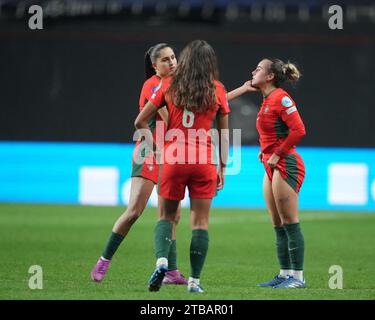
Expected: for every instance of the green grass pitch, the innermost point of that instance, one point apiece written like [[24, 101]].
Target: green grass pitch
[[67, 240]]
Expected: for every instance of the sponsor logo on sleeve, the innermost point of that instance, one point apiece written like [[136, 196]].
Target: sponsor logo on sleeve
[[291, 110]]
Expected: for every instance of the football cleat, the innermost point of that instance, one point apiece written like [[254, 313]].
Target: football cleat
[[273, 282], [100, 269], [174, 277], [194, 288], [156, 278], [291, 283]]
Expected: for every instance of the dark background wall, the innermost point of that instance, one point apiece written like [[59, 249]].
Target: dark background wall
[[80, 79]]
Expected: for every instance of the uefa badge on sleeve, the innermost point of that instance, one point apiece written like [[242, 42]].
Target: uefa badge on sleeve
[[286, 102]]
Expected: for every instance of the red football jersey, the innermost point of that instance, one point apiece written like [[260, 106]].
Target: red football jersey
[[142, 155], [150, 86], [279, 124], [190, 129]]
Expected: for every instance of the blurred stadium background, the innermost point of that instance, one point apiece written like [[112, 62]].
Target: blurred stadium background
[[68, 99], [69, 93]]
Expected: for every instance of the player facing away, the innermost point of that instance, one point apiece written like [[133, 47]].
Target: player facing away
[[280, 128], [160, 62], [195, 100]]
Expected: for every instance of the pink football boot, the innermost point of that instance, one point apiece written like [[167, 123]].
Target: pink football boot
[[174, 277], [101, 267]]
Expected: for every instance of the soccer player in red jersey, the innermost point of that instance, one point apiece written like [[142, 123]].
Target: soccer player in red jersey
[[195, 100], [280, 129], [160, 62]]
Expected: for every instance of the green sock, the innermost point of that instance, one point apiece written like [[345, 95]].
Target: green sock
[[282, 248], [113, 243], [198, 251], [296, 245], [172, 257], [163, 238]]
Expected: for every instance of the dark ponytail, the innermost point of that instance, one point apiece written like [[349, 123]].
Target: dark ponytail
[[149, 70], [150, 58], [283, 72]]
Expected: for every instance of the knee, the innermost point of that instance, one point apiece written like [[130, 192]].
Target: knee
[[132, 215]]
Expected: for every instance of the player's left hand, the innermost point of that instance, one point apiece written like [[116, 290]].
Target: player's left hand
[[273, 160]]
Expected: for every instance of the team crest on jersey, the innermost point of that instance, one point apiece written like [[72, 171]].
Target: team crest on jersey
[[150, 167], [266, 109], [286, 102]]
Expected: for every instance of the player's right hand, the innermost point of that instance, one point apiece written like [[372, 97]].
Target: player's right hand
[[249, 87]]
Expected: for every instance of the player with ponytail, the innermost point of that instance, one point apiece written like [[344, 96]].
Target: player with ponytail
[[160, 62], [195, 100], [280, 129]]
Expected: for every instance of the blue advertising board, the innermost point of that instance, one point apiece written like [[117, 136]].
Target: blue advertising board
[[99, 174]]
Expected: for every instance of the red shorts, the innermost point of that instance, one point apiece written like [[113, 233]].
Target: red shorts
[[201, 180], [144, 164], [291, 168]]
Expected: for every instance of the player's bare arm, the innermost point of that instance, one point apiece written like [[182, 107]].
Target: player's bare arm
[[246, 87]]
